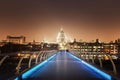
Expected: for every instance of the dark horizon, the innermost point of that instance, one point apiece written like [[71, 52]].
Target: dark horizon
[[80, 19]]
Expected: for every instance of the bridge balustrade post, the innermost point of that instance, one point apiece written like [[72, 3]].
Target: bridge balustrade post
[[30, 60], [44, 56], [79, 54], [48, 54], [88, 56], [82, 55], [36, 61], [85, 56], [93, 59], [100, 61], [76, 53], [2, 60], [29, 65], [113, 64], [41, 57], [19, 65]]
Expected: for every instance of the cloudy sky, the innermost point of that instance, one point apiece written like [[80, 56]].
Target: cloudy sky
[[80, 19]]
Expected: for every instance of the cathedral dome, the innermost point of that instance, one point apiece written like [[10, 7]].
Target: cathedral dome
[[61, 40]]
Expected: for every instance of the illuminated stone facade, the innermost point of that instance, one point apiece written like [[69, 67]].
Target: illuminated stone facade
[[61, 40]]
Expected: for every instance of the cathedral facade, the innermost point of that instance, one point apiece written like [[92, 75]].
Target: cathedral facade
[[62, 40]]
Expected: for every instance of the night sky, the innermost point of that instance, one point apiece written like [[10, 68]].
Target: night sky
[[80, 19]]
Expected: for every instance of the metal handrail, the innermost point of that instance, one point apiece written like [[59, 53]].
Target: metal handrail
[[100, 61]]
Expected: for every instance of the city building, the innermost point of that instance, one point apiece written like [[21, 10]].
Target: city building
[[16, 39], [3, 42], [111, 48], [87, 46]]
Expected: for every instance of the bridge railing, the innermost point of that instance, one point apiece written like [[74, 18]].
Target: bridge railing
[[25, 60], [92, 56]]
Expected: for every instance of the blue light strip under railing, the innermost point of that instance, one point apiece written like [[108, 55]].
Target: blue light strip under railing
[[29, 72], [105, 75]]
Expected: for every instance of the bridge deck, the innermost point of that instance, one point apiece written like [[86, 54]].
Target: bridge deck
[[65, 66]]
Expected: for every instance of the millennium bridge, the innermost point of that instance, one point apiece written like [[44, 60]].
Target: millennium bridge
[[56, 65]]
